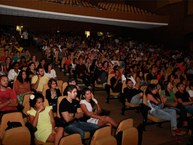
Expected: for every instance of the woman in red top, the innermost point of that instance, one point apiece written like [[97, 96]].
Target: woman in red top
[[21, 85]]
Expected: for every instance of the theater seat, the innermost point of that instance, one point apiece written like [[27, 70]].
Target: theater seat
[[17, 136], [102, 136], [73, 139]]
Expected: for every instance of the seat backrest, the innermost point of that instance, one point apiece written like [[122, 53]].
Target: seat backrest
[[45, 87], [100, 133], [12, 117], [130, 136], [124, 124], [73, 139], [60, 85], [58, 104], [17, 136], [65, 84], [26, 104], [107, 140]]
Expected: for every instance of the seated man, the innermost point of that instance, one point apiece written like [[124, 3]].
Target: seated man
[[184, 98], [71, 113], [39, 80], [8, 98], [133, 94], [116, 82]]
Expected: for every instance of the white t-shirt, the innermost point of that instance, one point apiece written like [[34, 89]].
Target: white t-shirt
[[89, 108], [52, 74], [190, 92]]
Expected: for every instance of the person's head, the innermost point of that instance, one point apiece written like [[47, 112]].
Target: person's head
[[22, 59], [140, 74], [168, 85], [52, 83], [43, 61], [152, 89], [48, 67], [33, 58], [191, 85], [180, 86], [71, 91], [154, 68], [72, 81], [3, 81], [129, 83], [117, 72], [22, 76], [17, 53], [40, 71], [31, 66], [80, 60], [15, 66], [105, 64], [8, 60], [87, 94], [36, 100]]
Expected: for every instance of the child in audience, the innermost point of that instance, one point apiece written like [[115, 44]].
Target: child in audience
[[41, 117]]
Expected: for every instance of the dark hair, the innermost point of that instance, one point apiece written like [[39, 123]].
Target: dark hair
[[178, 84], [50, 82], [191, 84], [93, 104], [150, 88], [167, 93], [14, 64], [71, 80], [1, 76], [20, 79], [34, 100], [127, 80], [30, 64], [69, 88], [46, 67]]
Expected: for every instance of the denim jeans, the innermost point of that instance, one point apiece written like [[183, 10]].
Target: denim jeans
[[189, 108], [166, 114], [136, 100], [80, 127]]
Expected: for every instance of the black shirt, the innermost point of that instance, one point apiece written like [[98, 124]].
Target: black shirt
[[130, 92], [184, 96], [66, 106]]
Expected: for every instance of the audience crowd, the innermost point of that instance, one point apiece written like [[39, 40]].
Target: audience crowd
[[167, 74]]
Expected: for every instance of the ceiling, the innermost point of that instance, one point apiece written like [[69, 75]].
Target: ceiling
[[27, 12]]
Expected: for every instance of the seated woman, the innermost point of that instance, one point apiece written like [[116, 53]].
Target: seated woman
[[92, 109], [21, 86], [156, 103], [31, 70], [53, 93], [41, 117], [171, 102]]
